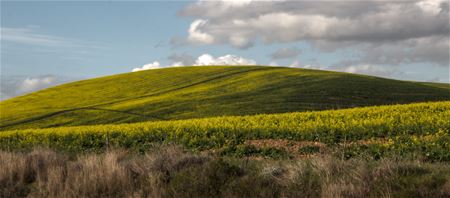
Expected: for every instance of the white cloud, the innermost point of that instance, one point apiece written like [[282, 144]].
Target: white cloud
[[177, 64], [196, 35], [433, 50], [373, 70], [430, 6], [359, 25], [207, 59], [154, 65], [12, 86], [236, 3], [202, 60], [286, 21], [30, 84]]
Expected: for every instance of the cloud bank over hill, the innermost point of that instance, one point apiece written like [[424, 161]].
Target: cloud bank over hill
[[12, 86], [154, 65], [382, 32], [202, 60]]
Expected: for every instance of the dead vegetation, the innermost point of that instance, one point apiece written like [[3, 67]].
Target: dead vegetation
[[171, 171], [294, 148]]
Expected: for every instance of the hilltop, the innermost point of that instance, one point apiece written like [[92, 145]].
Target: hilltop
[[198, 92]]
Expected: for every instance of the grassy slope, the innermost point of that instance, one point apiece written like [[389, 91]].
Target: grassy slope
[[194, 92]]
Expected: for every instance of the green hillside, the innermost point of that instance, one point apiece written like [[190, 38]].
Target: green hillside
[[195, 92]]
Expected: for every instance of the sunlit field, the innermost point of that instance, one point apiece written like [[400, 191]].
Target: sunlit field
[[415, 131]]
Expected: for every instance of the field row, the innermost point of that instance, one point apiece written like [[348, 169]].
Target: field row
[[420, 129]]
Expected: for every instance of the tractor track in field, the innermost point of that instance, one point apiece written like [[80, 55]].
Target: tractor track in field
[[75, 109], [182, 87], [96, 106]]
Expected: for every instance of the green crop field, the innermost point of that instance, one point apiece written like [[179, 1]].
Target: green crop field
[[414, 130], [198, 92]]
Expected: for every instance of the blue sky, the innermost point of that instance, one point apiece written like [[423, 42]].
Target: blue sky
[[44, 43], [110, 37]]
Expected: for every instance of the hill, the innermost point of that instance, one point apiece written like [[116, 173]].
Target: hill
[[196, 92]]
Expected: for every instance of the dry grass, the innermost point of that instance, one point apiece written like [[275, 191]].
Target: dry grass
[[45, 173], [171, 171], [290, 146]]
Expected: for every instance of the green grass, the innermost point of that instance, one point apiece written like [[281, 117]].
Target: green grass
[[198, 92], [413, 130]]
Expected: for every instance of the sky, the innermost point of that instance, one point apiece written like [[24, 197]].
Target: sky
[[45, 43]]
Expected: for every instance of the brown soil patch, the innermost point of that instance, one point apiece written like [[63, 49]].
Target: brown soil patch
[[288, 145]]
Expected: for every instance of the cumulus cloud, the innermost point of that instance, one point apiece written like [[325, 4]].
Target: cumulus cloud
[[154, 65], [30, 84], [338, 21], [207, 59], [12, 86], [433, 50], [413, 26], [430, 6], [197, 35], [285, 53], [177, 64], [202, 60]]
